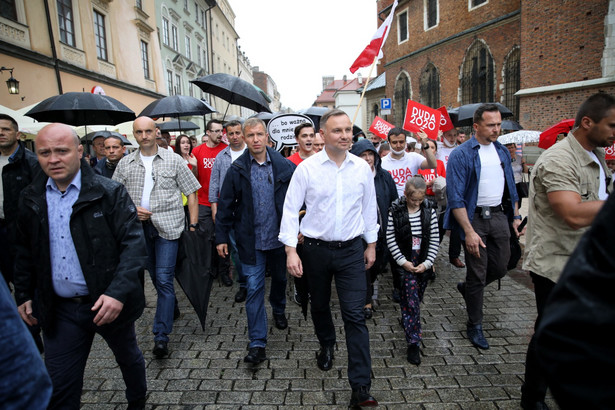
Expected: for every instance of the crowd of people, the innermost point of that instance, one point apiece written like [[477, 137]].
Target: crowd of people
[[78, 235]]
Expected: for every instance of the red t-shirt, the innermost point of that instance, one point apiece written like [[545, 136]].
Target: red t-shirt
[[431, 174], [205, 158], [295, 158]]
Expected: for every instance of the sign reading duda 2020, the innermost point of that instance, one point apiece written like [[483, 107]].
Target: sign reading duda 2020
[[281, 129]]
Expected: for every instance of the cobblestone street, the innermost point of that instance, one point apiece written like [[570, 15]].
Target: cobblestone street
[[205, 370]]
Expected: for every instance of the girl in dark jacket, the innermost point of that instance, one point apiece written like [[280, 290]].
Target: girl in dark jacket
[[412, 237]]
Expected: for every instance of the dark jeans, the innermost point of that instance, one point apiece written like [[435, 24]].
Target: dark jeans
[[320, 264], [24, 382], [219, 266], [68, 347], [491, 265], [535, 386], [454, 244]]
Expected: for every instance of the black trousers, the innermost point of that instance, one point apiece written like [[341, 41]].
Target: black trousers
[[321, 263], [535, 386]]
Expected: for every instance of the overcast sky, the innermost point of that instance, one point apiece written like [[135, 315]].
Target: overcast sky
[[297, 42]]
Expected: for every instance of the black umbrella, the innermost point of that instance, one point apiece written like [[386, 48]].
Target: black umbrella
[[105, 134], [265, 116], [178, 126], [510, 125], [314, 113], [192, 271], [80, 108], [176, 106], [465, 114], [234, 90]]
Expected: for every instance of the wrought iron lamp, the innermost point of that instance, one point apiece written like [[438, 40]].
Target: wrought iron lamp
[[11, 83]]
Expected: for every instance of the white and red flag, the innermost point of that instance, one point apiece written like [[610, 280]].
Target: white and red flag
[[374, 48]]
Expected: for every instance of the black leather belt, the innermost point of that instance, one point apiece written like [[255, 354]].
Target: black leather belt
[[78, 299], [332, 244], [493, 209]]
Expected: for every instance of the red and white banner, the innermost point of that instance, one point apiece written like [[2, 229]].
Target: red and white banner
[[610, 152], [420, 117], [445, 121], [380, 127], [374, 48]]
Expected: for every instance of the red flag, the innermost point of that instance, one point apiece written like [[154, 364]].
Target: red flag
[[374, 48]]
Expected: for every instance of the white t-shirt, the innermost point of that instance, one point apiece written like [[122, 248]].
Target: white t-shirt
[[491, 183], [148, 183], [236, 154], [402, 169], [443, 153], [602, 192]]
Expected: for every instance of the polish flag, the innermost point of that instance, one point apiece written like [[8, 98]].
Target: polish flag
[[374, 48]]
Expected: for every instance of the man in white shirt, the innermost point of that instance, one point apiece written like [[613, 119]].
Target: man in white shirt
[[403, 165], [339, 214]]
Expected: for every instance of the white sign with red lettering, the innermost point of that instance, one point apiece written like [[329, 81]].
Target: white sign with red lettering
[[380, 127], [445, 121], [419, 117]]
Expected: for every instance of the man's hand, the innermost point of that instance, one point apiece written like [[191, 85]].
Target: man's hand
[[370, 255], [474, 243], [293, 262], [108, 310], [300, 239], [25, 311], [515, 225], [222, 250], [143, 214]]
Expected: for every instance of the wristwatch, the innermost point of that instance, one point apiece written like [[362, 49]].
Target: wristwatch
[[517, 217], [195, 226]]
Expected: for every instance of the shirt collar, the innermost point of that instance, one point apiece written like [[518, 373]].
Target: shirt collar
[[324, 157], [252, 159], [76, 183], [14, 154]]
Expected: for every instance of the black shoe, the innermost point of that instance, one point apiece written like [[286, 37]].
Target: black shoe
[[368, 312], [362, 398], [241, 295], [533, 405], [414, 354], [136, 404], [475, 334], [325, 358], [456, 262], [461, 287], [280, 321], [226, 280], [176, 313], [160, 349], [255, 355], [396, 296]]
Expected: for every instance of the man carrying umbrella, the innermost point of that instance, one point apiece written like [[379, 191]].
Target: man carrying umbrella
[[155, 179], [251, 203], [568, 187]]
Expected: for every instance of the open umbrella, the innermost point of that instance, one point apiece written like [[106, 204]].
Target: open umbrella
[[234, 90], [265, 116], [105, 134], [465, 114], [510, 125], [80, 108], [314, 113], [519, 137], [549, 136], [177, 126], [192, 270], [176, 106]]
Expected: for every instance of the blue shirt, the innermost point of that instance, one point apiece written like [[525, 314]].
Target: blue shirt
[[463, 175], [67, 276], [265, 216]]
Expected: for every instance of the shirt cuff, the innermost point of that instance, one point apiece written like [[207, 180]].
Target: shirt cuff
[[401, 261], [371, 236], [288, 241]]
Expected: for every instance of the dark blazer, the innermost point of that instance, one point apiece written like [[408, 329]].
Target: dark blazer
[[235, 206], [108, 238], [17, 175]]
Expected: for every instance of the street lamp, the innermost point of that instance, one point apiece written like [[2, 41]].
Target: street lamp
[[11, 83]]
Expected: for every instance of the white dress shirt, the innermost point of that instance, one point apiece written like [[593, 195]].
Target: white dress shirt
[[340, 202]]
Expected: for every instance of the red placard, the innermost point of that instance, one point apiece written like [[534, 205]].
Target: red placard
[[380, 127], [610, 152], [445, 121], [419, 117]]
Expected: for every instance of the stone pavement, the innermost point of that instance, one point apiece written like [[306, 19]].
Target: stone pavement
[[205, 370]]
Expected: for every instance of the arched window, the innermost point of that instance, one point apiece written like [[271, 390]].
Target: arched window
[[512, 81], [374, 112], [430, 86], [477, 79], [402, 95]]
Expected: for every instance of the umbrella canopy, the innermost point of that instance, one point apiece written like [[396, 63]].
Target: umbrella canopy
[[314, 113], [80, 108], [234, 90], [192, 272], [519, 137], [510, 125], [178, 126], [105, 134], [465, 113], [549, 136], [176, 106]]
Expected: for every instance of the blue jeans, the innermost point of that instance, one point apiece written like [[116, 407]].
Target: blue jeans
[[162, 254], [241, 278], [24, 382], [275, 259]]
